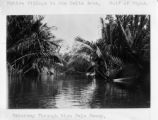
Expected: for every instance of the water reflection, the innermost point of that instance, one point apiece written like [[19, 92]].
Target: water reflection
[[46, 91]]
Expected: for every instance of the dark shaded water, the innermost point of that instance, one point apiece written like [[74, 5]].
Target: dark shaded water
[[72, 92]]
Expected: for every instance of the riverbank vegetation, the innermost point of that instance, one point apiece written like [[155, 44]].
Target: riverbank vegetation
[[123, 51], [30, 44], [125, 42]]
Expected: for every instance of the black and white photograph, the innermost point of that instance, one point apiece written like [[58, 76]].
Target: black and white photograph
[[82, 61]]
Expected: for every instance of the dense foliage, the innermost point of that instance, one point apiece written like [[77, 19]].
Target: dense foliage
[[125, 41], [30, 43], [124, 46]]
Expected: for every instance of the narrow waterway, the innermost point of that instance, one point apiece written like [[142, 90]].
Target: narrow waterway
[[73, 91]]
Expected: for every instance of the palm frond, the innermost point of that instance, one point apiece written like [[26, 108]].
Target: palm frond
[[84, 49], [36, 55], [86, 43]]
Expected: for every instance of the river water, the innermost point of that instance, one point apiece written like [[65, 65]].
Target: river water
[[73, 91]]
